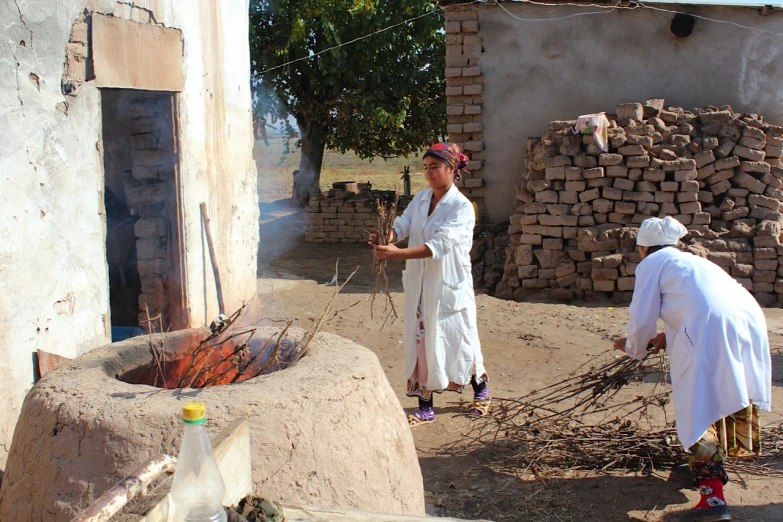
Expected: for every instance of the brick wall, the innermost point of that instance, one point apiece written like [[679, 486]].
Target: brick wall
[[149, 192], [465, 94], [339, 220], [488, 256], [344, 217]]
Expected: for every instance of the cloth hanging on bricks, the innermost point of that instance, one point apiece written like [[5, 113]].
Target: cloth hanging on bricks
[[597, 125]]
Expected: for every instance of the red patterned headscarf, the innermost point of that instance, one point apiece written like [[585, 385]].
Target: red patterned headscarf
[[452, 155]]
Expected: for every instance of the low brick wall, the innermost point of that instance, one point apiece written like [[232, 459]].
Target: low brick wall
[[343, 217], [574, 228]]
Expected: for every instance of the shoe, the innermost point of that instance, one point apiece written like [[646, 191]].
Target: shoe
[[421, 416], [481, 405], [711, 514]]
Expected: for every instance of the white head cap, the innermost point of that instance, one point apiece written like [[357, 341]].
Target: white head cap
[[659, 232]]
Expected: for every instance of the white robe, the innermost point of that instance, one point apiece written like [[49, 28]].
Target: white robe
[[716, 336], [443, 284]]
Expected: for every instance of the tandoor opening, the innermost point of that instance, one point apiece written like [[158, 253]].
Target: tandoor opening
[[143, 210]]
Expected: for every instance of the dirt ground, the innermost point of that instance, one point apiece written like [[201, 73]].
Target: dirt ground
[[525, 346]]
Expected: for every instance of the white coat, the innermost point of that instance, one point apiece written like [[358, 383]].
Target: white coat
[[716, 336], [443, 284]]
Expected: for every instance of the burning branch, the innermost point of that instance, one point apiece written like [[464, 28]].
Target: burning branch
[[202, 350], [209, 366], [304, 345]]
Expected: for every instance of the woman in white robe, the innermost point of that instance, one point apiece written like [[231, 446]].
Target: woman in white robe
[[716, 337], [442, 348]]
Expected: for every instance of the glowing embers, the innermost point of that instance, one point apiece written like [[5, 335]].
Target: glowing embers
[[229, 354]]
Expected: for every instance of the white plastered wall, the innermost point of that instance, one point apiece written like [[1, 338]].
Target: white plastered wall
[[54, 292]]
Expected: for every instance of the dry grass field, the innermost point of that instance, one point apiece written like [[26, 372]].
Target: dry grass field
[[274, 170]]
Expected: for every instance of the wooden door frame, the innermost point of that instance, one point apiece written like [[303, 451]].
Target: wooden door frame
[[178, 304]]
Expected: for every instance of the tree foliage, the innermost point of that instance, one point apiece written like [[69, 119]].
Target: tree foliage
[[381, 96]]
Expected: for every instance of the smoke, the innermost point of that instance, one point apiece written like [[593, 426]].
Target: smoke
[[281, 225]]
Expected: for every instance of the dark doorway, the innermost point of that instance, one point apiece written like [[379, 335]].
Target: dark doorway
[[142, 210]]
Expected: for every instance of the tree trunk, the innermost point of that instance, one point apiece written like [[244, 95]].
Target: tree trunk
[[306, 182]]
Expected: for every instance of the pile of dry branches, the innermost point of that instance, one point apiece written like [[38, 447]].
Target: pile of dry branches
[[592, 388], [771, 449], [386, 214], [590, 420]]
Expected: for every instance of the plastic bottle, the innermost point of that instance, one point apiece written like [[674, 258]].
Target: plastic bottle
[[198, 488]]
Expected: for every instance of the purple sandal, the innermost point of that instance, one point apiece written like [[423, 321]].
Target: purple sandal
[[421, 416], [482, 403]]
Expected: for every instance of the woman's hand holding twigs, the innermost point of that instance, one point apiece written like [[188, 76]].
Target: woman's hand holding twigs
[[658, 342], [375, 237], [387, 251]]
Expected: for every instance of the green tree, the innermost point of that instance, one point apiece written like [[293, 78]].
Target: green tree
[[381, 96]]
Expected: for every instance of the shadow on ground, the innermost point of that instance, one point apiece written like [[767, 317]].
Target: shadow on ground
[[483, 493], [477, 491]]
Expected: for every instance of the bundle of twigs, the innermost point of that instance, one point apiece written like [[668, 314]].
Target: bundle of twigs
[[619, 444], [582, 422], [555, 425], [562, 444], [386, 213], [592, 388]]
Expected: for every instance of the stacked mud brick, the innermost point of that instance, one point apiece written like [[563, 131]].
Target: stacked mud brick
[[76, 52], [574, 226], [339, 220], [488, 255], [344, 217], [465, 94]]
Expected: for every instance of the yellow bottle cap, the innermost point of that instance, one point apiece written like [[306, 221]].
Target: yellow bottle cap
[[194, 413]]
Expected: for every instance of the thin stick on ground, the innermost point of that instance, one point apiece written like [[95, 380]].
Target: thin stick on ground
[[316, 327], [386, 214]]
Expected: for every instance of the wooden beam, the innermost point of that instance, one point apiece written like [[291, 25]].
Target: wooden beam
[[232, 452], [134, 484]]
